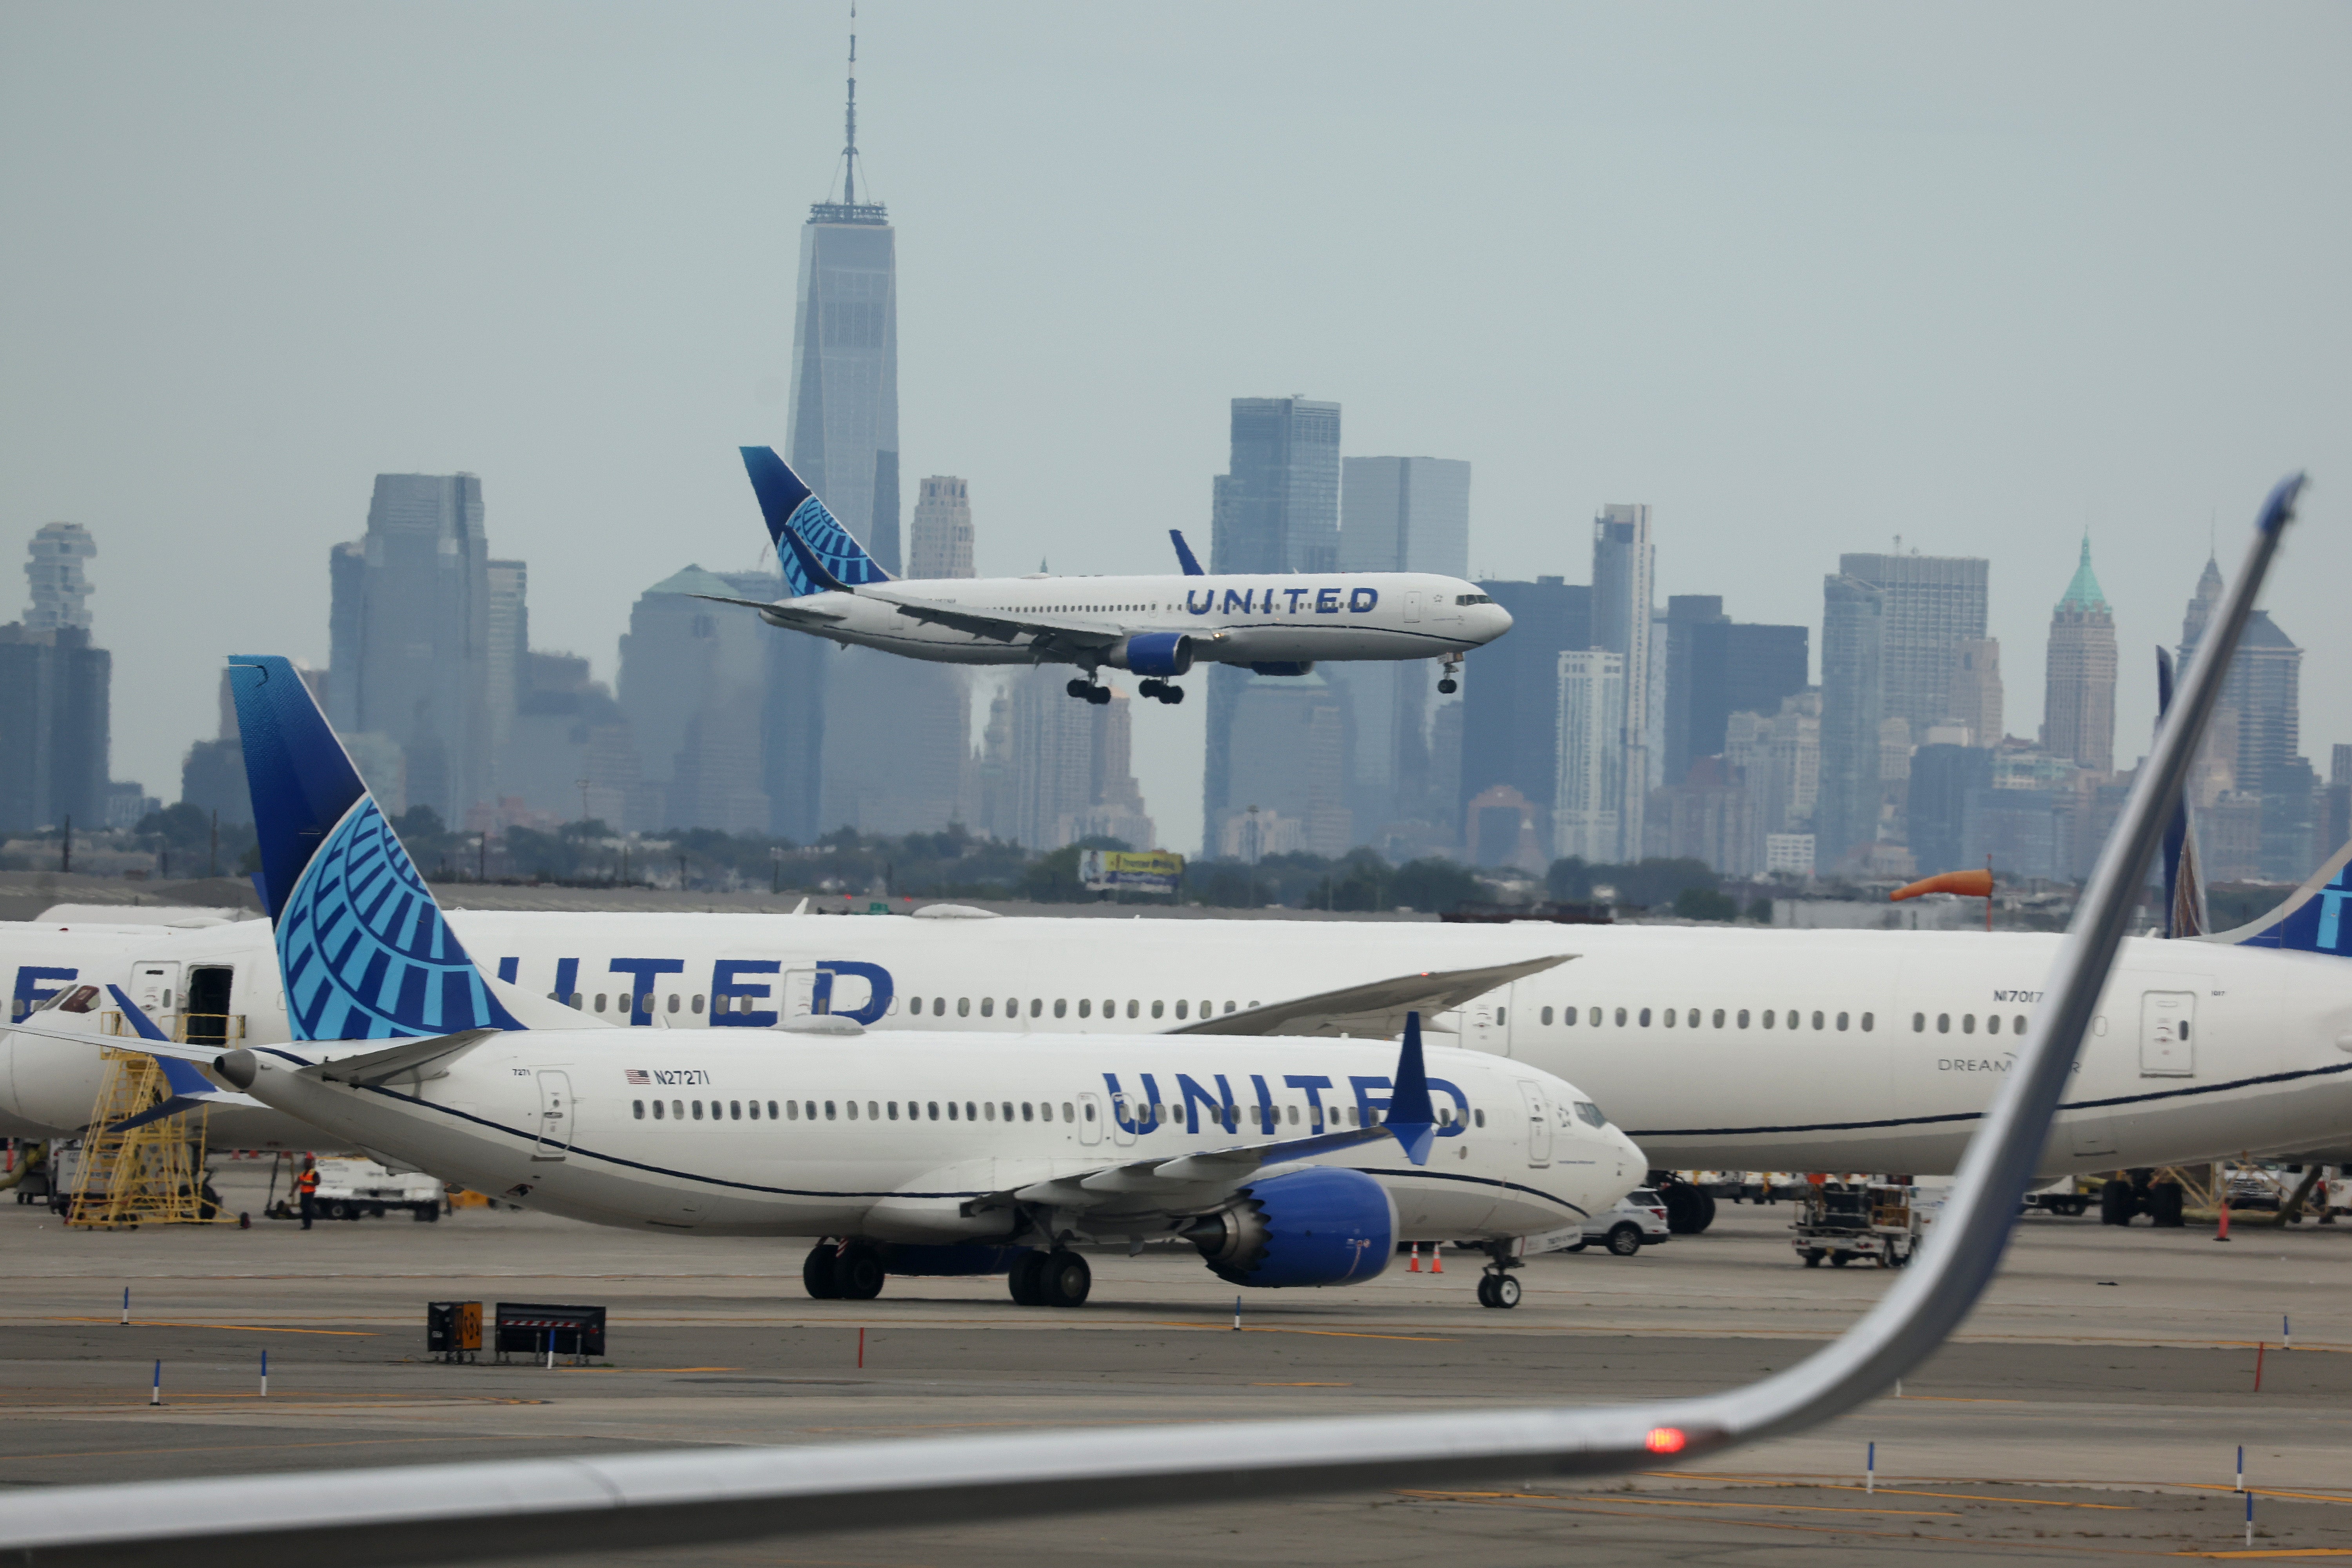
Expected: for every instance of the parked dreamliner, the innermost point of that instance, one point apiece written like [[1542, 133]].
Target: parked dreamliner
[[1157, 626]]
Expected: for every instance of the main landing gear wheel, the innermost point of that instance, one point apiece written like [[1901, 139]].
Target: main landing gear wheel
[[1087, 691], [857, 1274], [816, 1272], [1498, 1290], [1065, 1280], [1027, 1281], [1159, 691]]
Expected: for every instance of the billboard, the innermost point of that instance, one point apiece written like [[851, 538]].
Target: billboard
[[1129, 871]]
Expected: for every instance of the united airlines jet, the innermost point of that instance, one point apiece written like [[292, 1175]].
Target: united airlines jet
[[1156, 626]]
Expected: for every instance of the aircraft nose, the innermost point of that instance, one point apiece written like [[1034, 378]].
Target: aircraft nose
[[1498, 621]]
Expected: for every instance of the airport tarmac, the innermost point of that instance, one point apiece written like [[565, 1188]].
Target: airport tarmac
[[2092, 1407]]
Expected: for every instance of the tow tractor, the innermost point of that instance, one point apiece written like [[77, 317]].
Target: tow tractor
[[1842, 1222]]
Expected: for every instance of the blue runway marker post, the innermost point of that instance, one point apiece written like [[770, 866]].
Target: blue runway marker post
[[2286, 1331], [265, 1375], [2250, 1519], [1870, 1470], [126, 1306], [2241, 1466], [1237, 1314], [155, 1395]]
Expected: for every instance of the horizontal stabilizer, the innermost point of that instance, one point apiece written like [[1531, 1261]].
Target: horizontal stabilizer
[[407, 1059], [1375, 1010]]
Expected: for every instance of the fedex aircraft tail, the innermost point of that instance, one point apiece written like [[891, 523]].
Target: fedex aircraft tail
[[2312, 920], [365, 950], [792, 509]]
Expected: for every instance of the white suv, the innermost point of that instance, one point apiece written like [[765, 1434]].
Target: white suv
[[1639, 1220]]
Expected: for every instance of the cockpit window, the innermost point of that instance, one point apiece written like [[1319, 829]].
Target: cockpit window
[[1472, 599], [1589, 1115]]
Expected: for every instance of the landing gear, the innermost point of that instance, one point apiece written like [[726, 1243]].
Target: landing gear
[[1064, 1280], [1027, 1281], [1495, 1286], [1690, 1209], [1086, 690], [1449, 676], [816, 1271], [1161, 690], [858, 1273]]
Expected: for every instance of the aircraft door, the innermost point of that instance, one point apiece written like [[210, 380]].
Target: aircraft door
[[206, 1011], [1539, 1123], [156, 988], [1412, 608], [2168, 1027], [1090, 1119], [1122, 1119], [797, 995], [555, 1116], [1486, 1022]]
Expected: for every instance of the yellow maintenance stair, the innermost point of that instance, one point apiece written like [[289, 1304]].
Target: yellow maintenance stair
[[150, 1173]]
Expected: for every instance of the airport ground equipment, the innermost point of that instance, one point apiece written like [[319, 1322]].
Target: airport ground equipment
[[539, 1329], [1842, 1222], [361, 1189], [135, 1168], [2067, 1197], [445, 1513], [452, 1329]]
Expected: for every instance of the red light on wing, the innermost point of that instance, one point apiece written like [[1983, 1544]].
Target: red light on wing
[[1664, 1440]]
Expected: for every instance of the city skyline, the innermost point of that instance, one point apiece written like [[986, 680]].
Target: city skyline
[[1825, 208]]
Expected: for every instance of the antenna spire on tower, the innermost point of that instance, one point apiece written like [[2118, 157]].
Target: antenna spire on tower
[[849, 147]]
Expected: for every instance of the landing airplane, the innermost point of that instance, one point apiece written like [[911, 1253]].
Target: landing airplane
[[403, 1048], [1158, 626]]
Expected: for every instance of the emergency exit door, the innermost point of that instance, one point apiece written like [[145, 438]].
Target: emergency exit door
[[156, 988], [554, 1115], [2167, 1034]]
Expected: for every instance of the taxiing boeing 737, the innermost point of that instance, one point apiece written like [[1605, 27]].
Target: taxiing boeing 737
[[1157, 627], [1272, 1156]]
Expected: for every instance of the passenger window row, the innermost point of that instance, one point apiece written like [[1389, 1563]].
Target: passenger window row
[[1037, 1004], [1967, 1023], [1698, 1018], [848, 1111]]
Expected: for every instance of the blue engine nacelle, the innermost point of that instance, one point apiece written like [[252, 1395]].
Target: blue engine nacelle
[[1152, 652], [1321, 1225]]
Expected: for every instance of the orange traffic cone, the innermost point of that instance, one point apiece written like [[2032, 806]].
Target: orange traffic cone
[[1437, 1258], [1414, 1266]]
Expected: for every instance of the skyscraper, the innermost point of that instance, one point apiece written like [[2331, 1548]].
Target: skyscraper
[[1398, 514], [1854, 650], [509, 644], [1510, 695], [1933, 604], [1716, 667], [2079, 708], [940, 543], [1624, 570], [410, 633], [1277, 510], [1592, 724], [845, 385], [691, 690], [53, 570], [1976, 700], [1054, 771]]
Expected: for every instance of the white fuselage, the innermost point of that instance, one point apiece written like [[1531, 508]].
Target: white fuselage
[[1275, 618], [891, 1135], [2266, 1063]]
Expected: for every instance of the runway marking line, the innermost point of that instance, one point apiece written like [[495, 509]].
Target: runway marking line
[[239, 1328], [1322, 1333], [1678, 1503], [1882, 1490], [1302, 1386], [2276, 1551], [1955, 1399], [2267, 1491], [1912, 1538]]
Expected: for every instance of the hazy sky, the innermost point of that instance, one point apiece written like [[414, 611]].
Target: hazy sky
[[1802, 278]]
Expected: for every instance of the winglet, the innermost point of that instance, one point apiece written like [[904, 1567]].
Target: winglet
[[136, 1015], [1184, 556], [1410, 1114]]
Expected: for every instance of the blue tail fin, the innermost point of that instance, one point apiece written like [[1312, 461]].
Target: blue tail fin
[[365, 952], [1184, 556], [2314, 919], [788, 504]]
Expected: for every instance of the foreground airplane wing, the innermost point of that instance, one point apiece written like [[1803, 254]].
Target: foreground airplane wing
[[445, 1513], [1374, 1010]]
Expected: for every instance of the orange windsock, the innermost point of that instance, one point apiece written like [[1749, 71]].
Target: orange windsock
[[1967, 884]]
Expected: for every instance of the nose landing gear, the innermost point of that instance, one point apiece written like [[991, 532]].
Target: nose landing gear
[[1495, 1286], [1449, 676]]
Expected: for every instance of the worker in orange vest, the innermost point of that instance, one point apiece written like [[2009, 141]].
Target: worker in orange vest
[[309, 1187]]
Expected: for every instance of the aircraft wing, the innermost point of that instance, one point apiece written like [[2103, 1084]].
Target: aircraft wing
[[1075, 631], [1375, 1010]]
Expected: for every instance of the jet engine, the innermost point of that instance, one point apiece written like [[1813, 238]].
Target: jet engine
[[1152, 652], [1321, 1225]]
